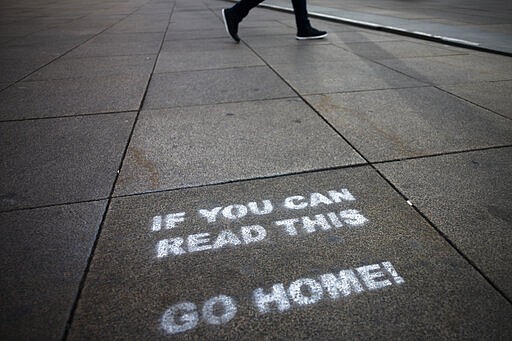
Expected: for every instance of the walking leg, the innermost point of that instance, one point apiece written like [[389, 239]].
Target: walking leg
[[304, 29], [232, 16], [301, 15], [242, 8]]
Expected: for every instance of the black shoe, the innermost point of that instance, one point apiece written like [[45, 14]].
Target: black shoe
[[311, 33], [231, 24]]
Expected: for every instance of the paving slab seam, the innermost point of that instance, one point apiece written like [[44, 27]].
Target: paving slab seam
[[218, 103], [69, 322], [473, 103], [390, 29], [46, 29], [447, 239], [372, 165], [68, 116], [312, 171], [347, 45], [68, 51], [219, 68], [441, 233], [433, 86], [296, 92], [28, 208], [230, 182], [317, 170], [457, 152], [369, 90]]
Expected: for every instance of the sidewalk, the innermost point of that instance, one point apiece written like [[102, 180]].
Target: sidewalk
[[161, 182], [468, 23]]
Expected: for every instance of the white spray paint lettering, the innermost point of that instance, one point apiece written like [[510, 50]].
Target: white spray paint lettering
[[298, 202], [236, 211], [185, 316], [206, 241], [319, 221], [279, 297], [170, 221]]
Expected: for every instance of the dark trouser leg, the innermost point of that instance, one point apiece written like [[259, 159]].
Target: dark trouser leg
[[301, 15], [242, 8]]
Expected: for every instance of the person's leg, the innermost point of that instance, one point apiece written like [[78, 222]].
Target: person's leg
[[234, 15], [304, 29], [242, 8], [301, 14]]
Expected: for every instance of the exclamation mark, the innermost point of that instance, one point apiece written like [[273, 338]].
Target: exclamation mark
[[157, 223], [391, 270]]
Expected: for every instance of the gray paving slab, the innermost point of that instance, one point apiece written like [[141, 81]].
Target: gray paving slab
[[175, 34], [397, 49], [90, 24], [66, 97], [61, 160], [92, 67], [198, 45], [494, 96], [72, 30], [29, 52], [362, 36], [179, 148], [270, 263], [193, 16], [203, 54], [319, 78], [196, 24], [121, 44], [248, 31], [463, 23], [306, 53], [19, 29], [393, 124], [157, 8], [12, 70], [44, 253], [139, 23], [467, 196], [481, 62], [258, 42], [214, 86], [449, 70], [38, 44]]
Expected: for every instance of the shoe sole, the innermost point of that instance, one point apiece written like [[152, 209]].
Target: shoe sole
[[311, 38], [226, 26]]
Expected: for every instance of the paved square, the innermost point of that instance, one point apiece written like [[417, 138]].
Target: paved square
[[453, 69], [203, 54], [170, 148], [327, 255], [318, 78], [398, 49], [61, 160], [43, 255], [91, 67], [399, 123], [167, 90], [120, 45], [65, 97], [491, 95], [468, 197]]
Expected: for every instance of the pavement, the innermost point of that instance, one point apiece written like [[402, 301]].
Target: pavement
[[160, 181], [468, 23]]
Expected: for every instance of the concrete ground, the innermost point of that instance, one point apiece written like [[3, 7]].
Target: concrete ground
[[486, 25], [160, 181]]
